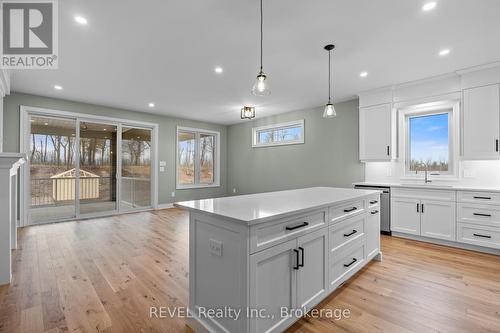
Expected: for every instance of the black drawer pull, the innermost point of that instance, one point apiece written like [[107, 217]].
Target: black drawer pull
[[373, 202], [302, 255], [374, 212], [296, 259], [351, 233], [352, 262], [304, 224], [350, 209], [483, 198], [481, 214], [482, 236]]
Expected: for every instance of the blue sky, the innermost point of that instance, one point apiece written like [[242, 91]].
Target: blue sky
[[429, 138]]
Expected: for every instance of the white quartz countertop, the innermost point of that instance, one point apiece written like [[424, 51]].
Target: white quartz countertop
[[261, 207], [433, 186]]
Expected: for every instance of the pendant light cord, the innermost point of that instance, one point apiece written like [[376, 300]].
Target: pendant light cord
[[329, 76], [261, 33]]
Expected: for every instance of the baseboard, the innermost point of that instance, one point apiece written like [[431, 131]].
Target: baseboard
[[165, 206], [462, 246]]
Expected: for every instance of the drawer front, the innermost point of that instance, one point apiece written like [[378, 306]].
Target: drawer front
[[338, 213], [265, 235], [483, 198], [345, 263], [346, 231], [479, 235], [487, 215], [427, 194]]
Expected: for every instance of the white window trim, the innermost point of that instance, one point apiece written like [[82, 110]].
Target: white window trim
[[295, 123], [197, 132], [450, 106]]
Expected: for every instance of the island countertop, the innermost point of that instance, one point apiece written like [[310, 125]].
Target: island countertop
[[261, 207]]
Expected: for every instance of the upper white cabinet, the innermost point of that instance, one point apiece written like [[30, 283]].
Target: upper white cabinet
[[481, 122], [375, 133]]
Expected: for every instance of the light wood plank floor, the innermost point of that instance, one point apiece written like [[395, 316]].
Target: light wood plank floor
[[102, 275]]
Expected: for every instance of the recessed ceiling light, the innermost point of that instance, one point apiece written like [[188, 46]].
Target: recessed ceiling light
[[218, 70], [57, 87], [103, 129], [46, 124], [444, 52], [363, 74], [81, 20], [429, 6], [151, 105]]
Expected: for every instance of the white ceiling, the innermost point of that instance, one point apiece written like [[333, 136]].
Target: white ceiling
[[135, 52]]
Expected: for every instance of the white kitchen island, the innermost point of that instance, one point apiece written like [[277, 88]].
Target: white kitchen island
[[256, 258]]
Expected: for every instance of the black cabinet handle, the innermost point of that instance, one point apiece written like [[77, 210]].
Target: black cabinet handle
[[496, 145], [481, 214], [302, 257], [483, 198], [482, 236], [303, 224], [352, 262], [418, 208], [373, 202], [374, 212], [351, 233], [296, 259], [350, 209], [388, 151], [422, 208]]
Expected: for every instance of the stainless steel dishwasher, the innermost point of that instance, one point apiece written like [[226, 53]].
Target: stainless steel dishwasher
[[385, 206]]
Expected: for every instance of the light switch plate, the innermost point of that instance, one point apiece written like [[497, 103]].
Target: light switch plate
[[162, 169], [163, 163], [215, 247], [469, 173]]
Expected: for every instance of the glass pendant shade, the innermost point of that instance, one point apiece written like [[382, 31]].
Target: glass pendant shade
[[261, 86], [247, 112], [329, 111]]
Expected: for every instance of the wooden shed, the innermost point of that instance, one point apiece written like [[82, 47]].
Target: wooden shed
[[63, 185]]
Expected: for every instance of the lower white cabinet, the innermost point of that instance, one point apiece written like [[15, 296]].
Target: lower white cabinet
[[405, 215], [437, 219], [373, 233], [291, 275]]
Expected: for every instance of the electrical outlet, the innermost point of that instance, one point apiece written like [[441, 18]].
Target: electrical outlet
[[215, 247], [162, 169], [163, 163], [173, 194], [469, 173], [234, 190]]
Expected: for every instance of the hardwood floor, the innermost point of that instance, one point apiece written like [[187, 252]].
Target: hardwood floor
[[103, 275]]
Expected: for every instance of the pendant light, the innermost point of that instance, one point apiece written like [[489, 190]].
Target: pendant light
[[248, 112], [329, 108], [261, 86]]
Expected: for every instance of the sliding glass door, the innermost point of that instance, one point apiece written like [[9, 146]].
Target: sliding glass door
[[84, 167], [136, 168]]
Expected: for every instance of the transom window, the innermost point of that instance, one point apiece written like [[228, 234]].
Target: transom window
[[429, 142], [197, 158], [278, 134]]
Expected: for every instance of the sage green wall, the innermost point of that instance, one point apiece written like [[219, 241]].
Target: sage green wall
[[166, 147], [329, 156]]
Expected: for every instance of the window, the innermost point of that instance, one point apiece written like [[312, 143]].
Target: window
[[197, 158], [278, 134], [429, 142]]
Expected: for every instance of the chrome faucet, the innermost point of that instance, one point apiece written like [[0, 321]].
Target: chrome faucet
[[426, 169]]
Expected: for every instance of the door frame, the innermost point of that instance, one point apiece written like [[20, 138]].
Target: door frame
[[27, 111]]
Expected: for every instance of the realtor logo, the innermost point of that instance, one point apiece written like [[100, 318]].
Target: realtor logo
[[29, 34]]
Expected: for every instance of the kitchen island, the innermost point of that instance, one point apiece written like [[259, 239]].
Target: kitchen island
[[258, 260]]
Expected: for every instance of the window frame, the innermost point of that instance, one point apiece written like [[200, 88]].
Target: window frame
[[427, 109], [197, 132], [276, 127]]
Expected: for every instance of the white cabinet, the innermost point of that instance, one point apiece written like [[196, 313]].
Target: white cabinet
[[375, 133], [438, 219], [405, 215], [312, 275], [273, 285], [481, 122], [373, 233], [417, 212]]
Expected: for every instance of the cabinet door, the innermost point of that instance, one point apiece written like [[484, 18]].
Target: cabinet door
[[272, 286], [312, 276], [405, 216], [481, 122], [372, 230], [375, 133], [438, 219]]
